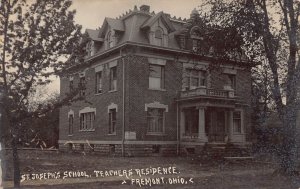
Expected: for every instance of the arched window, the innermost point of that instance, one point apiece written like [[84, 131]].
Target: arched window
[[90, 48], [195, 32], [110, 41], [196, 38]]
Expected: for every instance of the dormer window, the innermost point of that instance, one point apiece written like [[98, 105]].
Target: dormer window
[[109, 40], [196, 37], [195, 45], [158, 37], [158, 34], [195, 33], [182, 42], [90, 48]]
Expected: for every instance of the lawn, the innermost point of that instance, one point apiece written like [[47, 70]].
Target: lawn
[[43, 169]]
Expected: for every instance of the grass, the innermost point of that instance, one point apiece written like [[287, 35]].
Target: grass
[[209, 174]]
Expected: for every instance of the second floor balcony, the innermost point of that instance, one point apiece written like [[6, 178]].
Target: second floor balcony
[[208, 92]]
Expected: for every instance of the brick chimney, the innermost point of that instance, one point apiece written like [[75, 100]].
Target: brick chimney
[[145, 8]]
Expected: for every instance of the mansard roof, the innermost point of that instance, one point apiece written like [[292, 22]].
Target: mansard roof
[[133, 28]]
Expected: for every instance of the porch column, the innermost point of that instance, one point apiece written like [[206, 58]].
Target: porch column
[[201, 125], [182, 123], [230, 125]]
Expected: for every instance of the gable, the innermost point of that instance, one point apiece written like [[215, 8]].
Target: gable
[[111, 23], [159, 17], [93, 34]]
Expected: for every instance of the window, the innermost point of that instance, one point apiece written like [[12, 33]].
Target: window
[[196, 37], [182, 42], [110, 42], [195, 45], [81, 147], [82, 86], [87, 121], [113, 79], [71, 86], [156, 149], [237, 122], [155, 119], [158, 37], [92, 147], [156, 77], [98, 82], [195, 78], [89, 48], [112, 121], [71, 122], [112, 148], [230, 80]]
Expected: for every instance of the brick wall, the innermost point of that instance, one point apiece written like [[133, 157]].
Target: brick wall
[[140, 94], [98, 101], [137, 94]]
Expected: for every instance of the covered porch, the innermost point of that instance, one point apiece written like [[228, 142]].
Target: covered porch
[[211, 124]]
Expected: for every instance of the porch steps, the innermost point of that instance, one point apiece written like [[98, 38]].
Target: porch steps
[[221, 150]]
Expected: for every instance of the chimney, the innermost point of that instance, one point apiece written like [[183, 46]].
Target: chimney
[[167, 15], [145, 8]]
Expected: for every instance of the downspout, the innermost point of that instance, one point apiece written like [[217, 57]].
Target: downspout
[[123, 98]]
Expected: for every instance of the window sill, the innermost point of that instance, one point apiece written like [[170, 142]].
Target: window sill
[[70, 135], [97, 94], [156, 89], [112, 91], [156, 134], [87, 130]]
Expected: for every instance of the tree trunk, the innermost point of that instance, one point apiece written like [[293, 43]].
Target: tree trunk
[[16, 164], [288, 150]]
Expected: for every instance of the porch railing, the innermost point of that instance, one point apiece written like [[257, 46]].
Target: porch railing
[[207, 92]]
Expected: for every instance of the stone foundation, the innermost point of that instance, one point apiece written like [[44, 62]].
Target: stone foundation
[[130, 150]]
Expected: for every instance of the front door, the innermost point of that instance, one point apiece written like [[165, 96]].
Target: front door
[[216, 125], [191, 122]]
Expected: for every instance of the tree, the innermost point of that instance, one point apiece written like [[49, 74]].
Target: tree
[[41, 132], [270, 29], [35, 38]]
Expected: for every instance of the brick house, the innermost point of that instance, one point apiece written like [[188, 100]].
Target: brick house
[[146, 90]]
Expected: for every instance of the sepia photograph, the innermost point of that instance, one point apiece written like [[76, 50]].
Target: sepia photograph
[[150, 94]]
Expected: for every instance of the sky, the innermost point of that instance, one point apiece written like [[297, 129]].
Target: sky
[[91, 13]]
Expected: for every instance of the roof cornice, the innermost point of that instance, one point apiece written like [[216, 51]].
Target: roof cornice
[[178, 52]]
